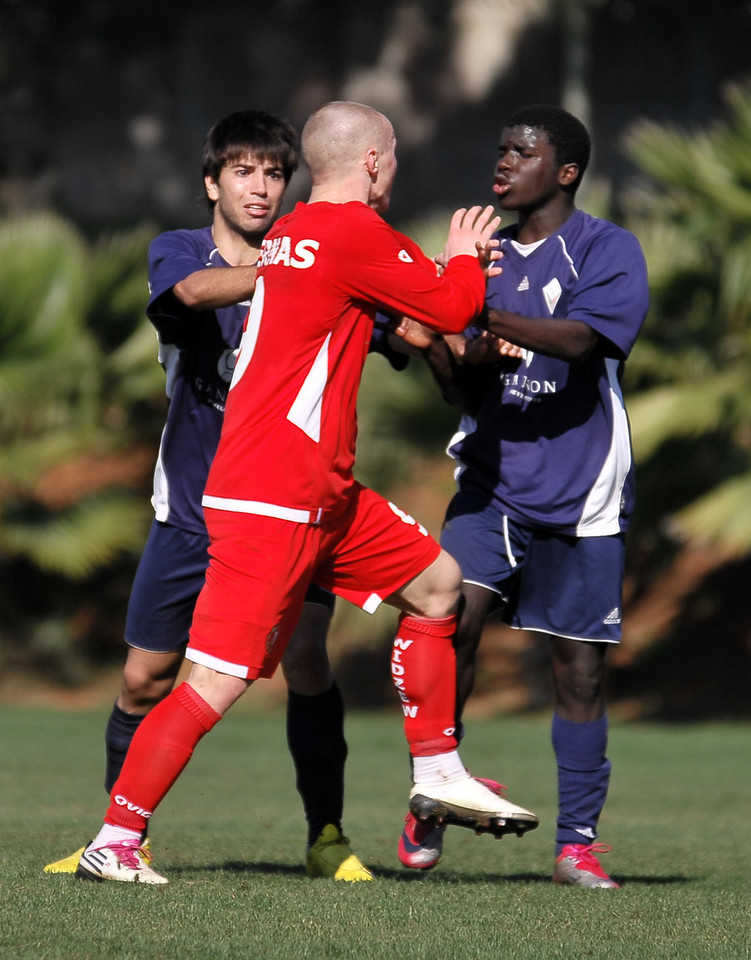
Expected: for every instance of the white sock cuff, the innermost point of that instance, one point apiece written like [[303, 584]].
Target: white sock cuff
[[441, 767], [113, 834]]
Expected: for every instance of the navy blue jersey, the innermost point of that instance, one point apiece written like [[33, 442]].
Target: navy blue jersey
[[197, 350], [550, 443]]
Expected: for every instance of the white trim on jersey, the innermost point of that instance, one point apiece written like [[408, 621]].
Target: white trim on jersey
[[305, 412], [250, 334], [160, 497], [567, 255], [601, 513], [261, 509]]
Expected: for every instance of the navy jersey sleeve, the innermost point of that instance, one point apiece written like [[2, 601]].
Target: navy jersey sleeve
[[172, 257], [612, 293]]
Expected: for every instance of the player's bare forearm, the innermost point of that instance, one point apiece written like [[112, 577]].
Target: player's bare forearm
[[218, 287], [570, 340]]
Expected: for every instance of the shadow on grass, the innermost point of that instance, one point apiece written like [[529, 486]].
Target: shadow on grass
[[403, 876]]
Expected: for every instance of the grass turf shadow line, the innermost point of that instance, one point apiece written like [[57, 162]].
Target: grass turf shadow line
[[412, 876]]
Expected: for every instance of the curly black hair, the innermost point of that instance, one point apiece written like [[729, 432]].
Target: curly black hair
[[566, 134]]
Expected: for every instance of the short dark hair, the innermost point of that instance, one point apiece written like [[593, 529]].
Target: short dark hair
[[250, 131], [567, 135]]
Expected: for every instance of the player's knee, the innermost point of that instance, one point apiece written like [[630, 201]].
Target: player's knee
[[580, 695], [305, 663], [141, 690], [307, 670]]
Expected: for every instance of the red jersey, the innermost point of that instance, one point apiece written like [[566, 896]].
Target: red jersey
[[288, 441]]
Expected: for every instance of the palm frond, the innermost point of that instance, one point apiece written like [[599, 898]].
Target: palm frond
[[78, 541], [680, 410], [721, 517]]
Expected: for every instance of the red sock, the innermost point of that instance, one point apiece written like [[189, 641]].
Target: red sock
[[160, 750], [423, 668]]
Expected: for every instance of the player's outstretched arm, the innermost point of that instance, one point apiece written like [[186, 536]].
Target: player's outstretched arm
[[571, 340], [218, 287], [470, 231]]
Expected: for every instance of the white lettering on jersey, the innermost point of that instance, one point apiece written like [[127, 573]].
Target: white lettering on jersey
[[405, 257], [279, 252], [283, 254], [304, 256]]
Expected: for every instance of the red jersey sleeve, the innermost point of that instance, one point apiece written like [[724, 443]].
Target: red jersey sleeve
[[391, 271]]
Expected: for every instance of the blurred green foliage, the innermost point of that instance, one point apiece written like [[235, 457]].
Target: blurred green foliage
[[81, 406], [688, 377]]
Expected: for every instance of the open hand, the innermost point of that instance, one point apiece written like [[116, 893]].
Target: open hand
[[470, 231]]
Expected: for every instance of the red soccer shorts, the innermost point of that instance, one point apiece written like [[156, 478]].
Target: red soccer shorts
[[261, 566]]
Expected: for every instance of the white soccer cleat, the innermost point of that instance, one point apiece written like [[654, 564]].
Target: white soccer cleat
[[125, 861], [467, 802]]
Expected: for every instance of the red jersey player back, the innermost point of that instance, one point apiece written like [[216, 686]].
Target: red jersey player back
[[290, 427]]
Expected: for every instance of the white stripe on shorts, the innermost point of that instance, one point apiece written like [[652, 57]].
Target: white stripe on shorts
[[509, 555], [214, 663]]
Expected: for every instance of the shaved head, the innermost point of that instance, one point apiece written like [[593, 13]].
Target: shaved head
[[336, 138]]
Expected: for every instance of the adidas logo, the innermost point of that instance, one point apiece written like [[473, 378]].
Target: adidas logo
[[524, 285], [614, 616]]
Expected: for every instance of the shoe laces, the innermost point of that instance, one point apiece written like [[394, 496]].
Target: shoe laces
[[585, 855], [492, 785], [127, 852]]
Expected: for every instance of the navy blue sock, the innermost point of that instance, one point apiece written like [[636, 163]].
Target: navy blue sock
[[315, 735], [120, 730], [583, 778]]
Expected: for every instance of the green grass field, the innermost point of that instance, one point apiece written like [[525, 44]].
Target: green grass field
[[231, 838]]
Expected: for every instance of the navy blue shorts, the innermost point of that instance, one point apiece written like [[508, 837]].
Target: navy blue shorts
[[567, 586], [169, 578]]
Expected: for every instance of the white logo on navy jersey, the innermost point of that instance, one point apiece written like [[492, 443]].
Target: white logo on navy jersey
[[405, 257], [226, 364], [614, 616], [524, 285], [552, 292], [521, 382]]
